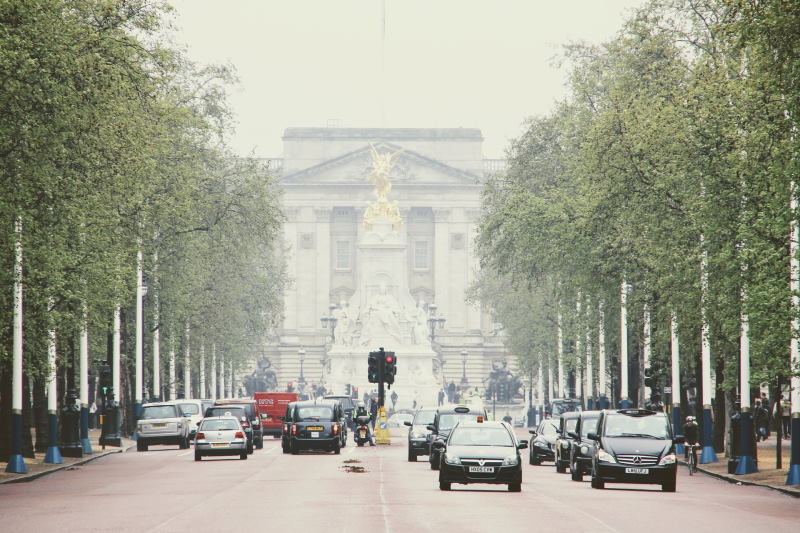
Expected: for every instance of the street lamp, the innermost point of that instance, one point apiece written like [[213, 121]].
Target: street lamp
[[464, 367], [434, 321], [330, 319], [301, 383]]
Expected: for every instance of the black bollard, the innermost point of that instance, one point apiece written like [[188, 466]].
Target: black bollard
[[70, 427], [109, 436]]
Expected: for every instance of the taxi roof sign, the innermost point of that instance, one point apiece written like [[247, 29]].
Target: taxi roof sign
[[461, 409]]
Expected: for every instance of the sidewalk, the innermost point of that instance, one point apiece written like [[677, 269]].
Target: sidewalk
[[37, 468], [767, 475]]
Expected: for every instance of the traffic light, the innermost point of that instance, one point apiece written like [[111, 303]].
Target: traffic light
[[389, 367], [649, 377], [373, 372], [347, 389], [354, 394]]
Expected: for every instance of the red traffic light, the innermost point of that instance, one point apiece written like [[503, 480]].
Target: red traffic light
[[390, 359]]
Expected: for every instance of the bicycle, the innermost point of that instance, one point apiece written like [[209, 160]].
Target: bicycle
[[691, 462]]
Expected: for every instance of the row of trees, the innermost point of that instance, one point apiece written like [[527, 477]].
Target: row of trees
[[113, 143], [670, 163]]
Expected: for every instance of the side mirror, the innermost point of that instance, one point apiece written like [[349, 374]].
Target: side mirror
[[522, 445], [558, 431], [679, 439], [574, 435], [430, 427], [438, 444], [593, 436], [406, 423], [532, 432]]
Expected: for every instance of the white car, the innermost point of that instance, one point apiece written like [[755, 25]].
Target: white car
[[161, 423], [193, 410], [220, 435]]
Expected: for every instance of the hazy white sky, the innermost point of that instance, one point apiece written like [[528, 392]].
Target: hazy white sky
[[447, 63]]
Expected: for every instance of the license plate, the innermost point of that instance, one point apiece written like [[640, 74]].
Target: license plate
[[314, 434], [315, 428], [637, 471], [159, 425], [363, 433], [482, 469], [219, 444], [268, 419]]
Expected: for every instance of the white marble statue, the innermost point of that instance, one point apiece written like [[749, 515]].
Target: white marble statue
[[418, 319], [344, 325], [381, 318]]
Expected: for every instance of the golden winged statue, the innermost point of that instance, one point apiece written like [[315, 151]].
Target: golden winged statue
[[379, 176]]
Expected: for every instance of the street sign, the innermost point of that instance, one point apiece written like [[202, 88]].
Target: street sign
[[667, 390]]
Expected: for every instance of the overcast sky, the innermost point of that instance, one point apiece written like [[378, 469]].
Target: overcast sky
[[484, 64]]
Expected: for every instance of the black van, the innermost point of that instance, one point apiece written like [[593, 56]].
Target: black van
[[317, 425], [634, 446]]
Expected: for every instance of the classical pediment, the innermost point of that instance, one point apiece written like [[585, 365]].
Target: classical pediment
[[409, 168]]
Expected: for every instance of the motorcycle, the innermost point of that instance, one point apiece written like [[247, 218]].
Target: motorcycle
[[361, 434]]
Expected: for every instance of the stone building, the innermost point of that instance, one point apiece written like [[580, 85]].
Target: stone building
[[436, 181]]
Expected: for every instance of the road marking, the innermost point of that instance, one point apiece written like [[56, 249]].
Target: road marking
[[185, 453], [384, 505]]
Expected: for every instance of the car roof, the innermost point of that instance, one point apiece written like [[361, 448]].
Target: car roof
[[221, 418], [589, 414], [487, 424], [453, 409], [223, 401], [157, 404], [306, 403], [571, 414], [634, 412]]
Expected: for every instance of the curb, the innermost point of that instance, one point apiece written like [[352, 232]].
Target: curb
[[737, 481], [37, 475]]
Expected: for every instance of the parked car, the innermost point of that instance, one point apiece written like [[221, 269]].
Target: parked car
[[542, 448], [419, 436], [444, 421], [161, 423], [567, 422], [481, 452], [240, 414], [271, 406], [220, 435], [193, 410], [252, 417], [317, 425], [582, 448], [634, 446]]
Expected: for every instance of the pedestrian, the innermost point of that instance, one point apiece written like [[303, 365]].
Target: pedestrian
[[441, 398], [783, 410], [451, 392], [766, 405], [692, 407], [760, 421], [394, 400], [507, 419]]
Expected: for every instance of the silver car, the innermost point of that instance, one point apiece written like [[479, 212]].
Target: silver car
[[161, 423], [220, 435]]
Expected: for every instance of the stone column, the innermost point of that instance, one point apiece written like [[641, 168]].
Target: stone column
[[290, 293], [323, 264], [442, 261]]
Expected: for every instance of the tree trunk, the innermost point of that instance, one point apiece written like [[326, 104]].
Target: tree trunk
[[27, 419], [40, 416], [5, 410], [777, 418], [721, 413]]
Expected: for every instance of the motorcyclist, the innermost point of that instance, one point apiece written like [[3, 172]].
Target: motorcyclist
[[361, 411], [691, 432]]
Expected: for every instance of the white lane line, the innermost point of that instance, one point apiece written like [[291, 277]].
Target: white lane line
[[384, 505], [185, 453]]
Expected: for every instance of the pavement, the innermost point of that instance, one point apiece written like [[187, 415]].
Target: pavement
[[369, 488], [38, 468]]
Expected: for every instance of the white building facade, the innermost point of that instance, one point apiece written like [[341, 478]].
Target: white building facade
[[436, 181]]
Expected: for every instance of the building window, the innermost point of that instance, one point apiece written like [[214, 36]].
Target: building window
[[342, 255], [421, 255]]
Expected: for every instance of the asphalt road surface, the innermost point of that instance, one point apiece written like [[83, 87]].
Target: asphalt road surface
[[165, 490]]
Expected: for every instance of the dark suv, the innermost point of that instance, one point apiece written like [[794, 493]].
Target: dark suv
[[251, 409], [241, 415], [443, 422], [634, 446], [419, 436], [582, 448], [288, 420], [348, 404], [567, 422], [544, 442], [317, 425]]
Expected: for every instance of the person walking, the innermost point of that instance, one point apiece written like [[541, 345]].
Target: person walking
[[760, 421], [441, 398], [783, 413], [394, 400]]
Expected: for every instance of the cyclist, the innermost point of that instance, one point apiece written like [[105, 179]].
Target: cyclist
[[691, 432]]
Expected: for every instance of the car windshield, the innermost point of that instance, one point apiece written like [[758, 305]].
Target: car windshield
[[559, 407], [423, 418], [160, 411], [569, 425], [346, 401], [588, 425], [655, 427], [315, 412], [238, 412], [248, 408], [548, 430], [189, 408], [220, 425], [487, 436], [447, 421]]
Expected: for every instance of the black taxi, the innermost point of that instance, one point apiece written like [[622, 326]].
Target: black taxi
[[444, 421], [317, 425], [634, 446], [582, 449], [286, 428], [567, 422]]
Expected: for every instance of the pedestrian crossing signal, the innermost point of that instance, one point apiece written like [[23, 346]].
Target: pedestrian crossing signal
[[373, 371]]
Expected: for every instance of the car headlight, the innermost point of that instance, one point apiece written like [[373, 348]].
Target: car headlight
[[452, 459], [606, 457], [510, 461], [417, 435], [584, 450], [564, 445], [668, 459]]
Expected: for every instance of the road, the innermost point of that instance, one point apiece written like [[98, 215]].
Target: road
[[165, 490]]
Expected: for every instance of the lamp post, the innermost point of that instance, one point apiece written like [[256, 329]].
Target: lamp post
[[301, 383], [434, 321], [330, 319], [464, 380]]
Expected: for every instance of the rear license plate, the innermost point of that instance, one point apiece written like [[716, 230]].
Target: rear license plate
[[159, 425], [314, 434], [268, 419], [315, 428], [482, 469], [219, 444], [363, 433], [637, 471]]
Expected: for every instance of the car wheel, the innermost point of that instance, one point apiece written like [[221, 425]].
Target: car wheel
[[243, 455], [249, 447], [575, 470], [444, 485], [560, 467], [434, 463], [260, 443], [669, 486], [412, 457], [141, 446], [337, 449], [295, 448], [597, 483], [197, 456], [276, 436], [535, 461], [515, 487]]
